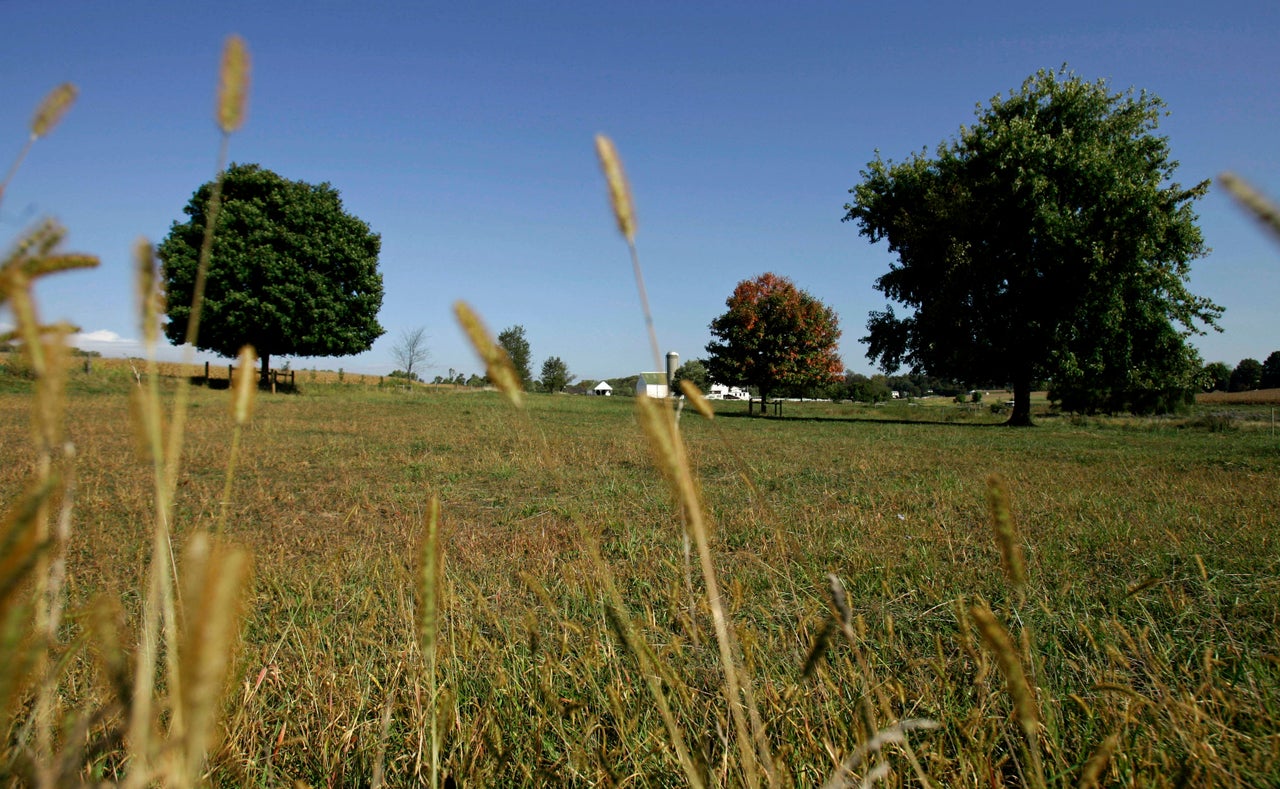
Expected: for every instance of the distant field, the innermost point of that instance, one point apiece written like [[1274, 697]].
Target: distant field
[[1153, 611], [1258, 396]]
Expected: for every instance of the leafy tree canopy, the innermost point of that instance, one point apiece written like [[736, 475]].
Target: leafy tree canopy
[[861, 389], [1247, 376], [290, 272], [1215, 377], [695, 372], [1044, 242], [1271, 372], [774, 337], [555, 375], [513, 341]]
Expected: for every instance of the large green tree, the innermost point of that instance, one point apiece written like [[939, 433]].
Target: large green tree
[[774, 337], [555, 375], [290, 272], [1046, 241]]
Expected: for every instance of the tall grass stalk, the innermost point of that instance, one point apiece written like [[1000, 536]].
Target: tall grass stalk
[[625, 213], [213, 577], [659, 424], [1006, 535], [430, 572], [37, 545], [244, 388], [650, 666], [48, 114], [998, 641], [498, 365], [160, 616], [842, 615]]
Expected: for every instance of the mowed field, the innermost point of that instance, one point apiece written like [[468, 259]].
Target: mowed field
[[1149, 627]]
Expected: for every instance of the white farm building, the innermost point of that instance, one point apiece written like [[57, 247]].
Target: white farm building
[[651, 384], [722, 392]]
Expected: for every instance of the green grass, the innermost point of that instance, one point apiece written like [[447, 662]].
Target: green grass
[[1118, 516]]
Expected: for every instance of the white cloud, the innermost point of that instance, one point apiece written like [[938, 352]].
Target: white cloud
[[101, 336], [107, 343], [110, 343]]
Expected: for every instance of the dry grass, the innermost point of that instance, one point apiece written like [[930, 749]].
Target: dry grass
[[1134, 640], [1256, 397]]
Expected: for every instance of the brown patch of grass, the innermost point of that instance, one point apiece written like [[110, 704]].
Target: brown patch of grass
[[1255, 397]]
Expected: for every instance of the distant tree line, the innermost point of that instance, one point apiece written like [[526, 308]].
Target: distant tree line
[[878, 388], [1246, 376], [458, 379]]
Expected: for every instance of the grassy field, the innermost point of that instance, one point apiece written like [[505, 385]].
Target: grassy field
[[1148, 627]]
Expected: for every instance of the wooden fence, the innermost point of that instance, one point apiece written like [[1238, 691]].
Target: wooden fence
[[279, 378]]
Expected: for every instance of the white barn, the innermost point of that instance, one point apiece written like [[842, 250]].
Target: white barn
[[651, 384], [603, 389]]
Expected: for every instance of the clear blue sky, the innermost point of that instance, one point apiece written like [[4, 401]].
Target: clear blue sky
[[462, 133]]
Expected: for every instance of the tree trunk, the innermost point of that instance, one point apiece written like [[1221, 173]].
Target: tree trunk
[[1021, 416], [265, 377]]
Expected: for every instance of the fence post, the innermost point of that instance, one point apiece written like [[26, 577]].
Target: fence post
[[206, 373]]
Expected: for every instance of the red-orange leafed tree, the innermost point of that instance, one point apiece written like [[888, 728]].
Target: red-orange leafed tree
[[774, 337]]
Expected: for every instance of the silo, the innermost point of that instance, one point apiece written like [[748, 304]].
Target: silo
[[673, 364]]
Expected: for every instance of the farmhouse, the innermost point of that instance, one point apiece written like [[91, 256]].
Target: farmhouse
[[723, 392]]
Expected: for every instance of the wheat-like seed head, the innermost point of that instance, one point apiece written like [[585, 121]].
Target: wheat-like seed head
[[654, 420], [144, 256], [215, 578], [1266, 211], [430, 561], [1007, 541], [244, 386], [619, 189], [699, 402], [233, 84], [34, 256], [497, 363], [998, 641], [1091, 775], [49, 264], [51, 110], [843, 616]]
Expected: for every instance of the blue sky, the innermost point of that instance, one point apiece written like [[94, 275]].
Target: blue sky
[[462, 133]]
